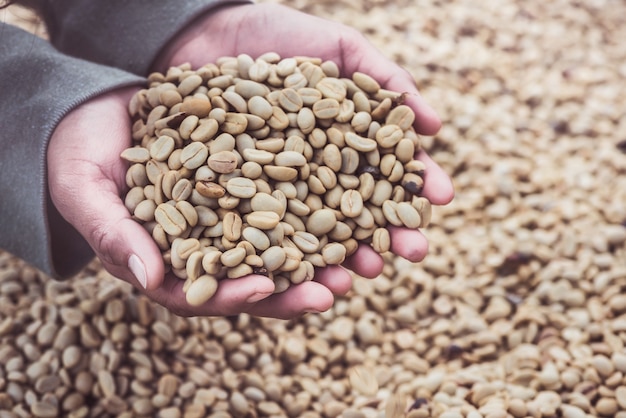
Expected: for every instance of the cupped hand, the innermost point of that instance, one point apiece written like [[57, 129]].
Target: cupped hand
[[255, 29], [86, 179]]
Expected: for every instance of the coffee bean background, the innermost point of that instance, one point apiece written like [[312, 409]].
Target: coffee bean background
[[518, 310]]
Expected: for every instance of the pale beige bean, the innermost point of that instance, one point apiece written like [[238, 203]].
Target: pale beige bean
[[237, 102], [251, 170], [424, 208], [293, 257], [136, 154], [389, 135], [381, 240], [271, 145], [350, 160], [256, 237], [361, 102], [346, 112], [266, 202], [193, 266], [187, 247], [306, 242], [416, 167], [321, 222], [332, 198], [280, 173], [195, 106], [361, 122], [162, 148], [205, 131], [232, 225], [194, 155], [137, 175], [296, 81], [365, 219], [188, 211], [241, 187], [351, 203], [211, 262], [332, 157], [260, 107], [382, 192], [234, 123], [290, 159], [181, 190], [317, 138], [405, 150], [326, 109], [298, 208], [134, 196], [189, 84], [360, 143], [239, 271], [340, 232], [367, 185], [248, 89], [172, 221], [145, 210], [187, 126], [402, 115], [315, 185], [228, 202], [258, 156], [386, 164], [334, 253], [263, 219], [279, 119], [290, 100], [309, 95], [332, 88], [223, 162], [295, 142], [381, 111], [365, 82], [223, 142], [201, 290], [390, 210], [327, 177], [233, 257]]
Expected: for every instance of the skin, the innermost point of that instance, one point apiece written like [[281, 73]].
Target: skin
[[85, 147]]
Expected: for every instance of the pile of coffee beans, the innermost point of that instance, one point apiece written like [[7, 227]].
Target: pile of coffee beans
[[272, 166]]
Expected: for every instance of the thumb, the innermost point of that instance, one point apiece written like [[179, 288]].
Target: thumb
[[125, 248]]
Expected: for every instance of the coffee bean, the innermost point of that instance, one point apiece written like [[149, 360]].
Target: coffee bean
[[223, 162], [172, 221]]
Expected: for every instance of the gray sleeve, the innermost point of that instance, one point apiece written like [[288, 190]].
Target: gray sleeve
[[38, 86], [126, 34]]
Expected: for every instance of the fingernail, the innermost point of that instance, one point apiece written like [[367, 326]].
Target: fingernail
[[139, 270], [257, 297], [312, 311]]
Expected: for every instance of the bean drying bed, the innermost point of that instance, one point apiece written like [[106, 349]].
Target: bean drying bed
[[519, 309]]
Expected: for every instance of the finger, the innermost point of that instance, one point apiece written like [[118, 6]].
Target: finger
[[335, 278], [233, 296], [408, 243], [365, 262], [438, 188], [297, 300]]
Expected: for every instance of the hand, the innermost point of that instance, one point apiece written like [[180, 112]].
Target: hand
[[256, 29], [86, 178]]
